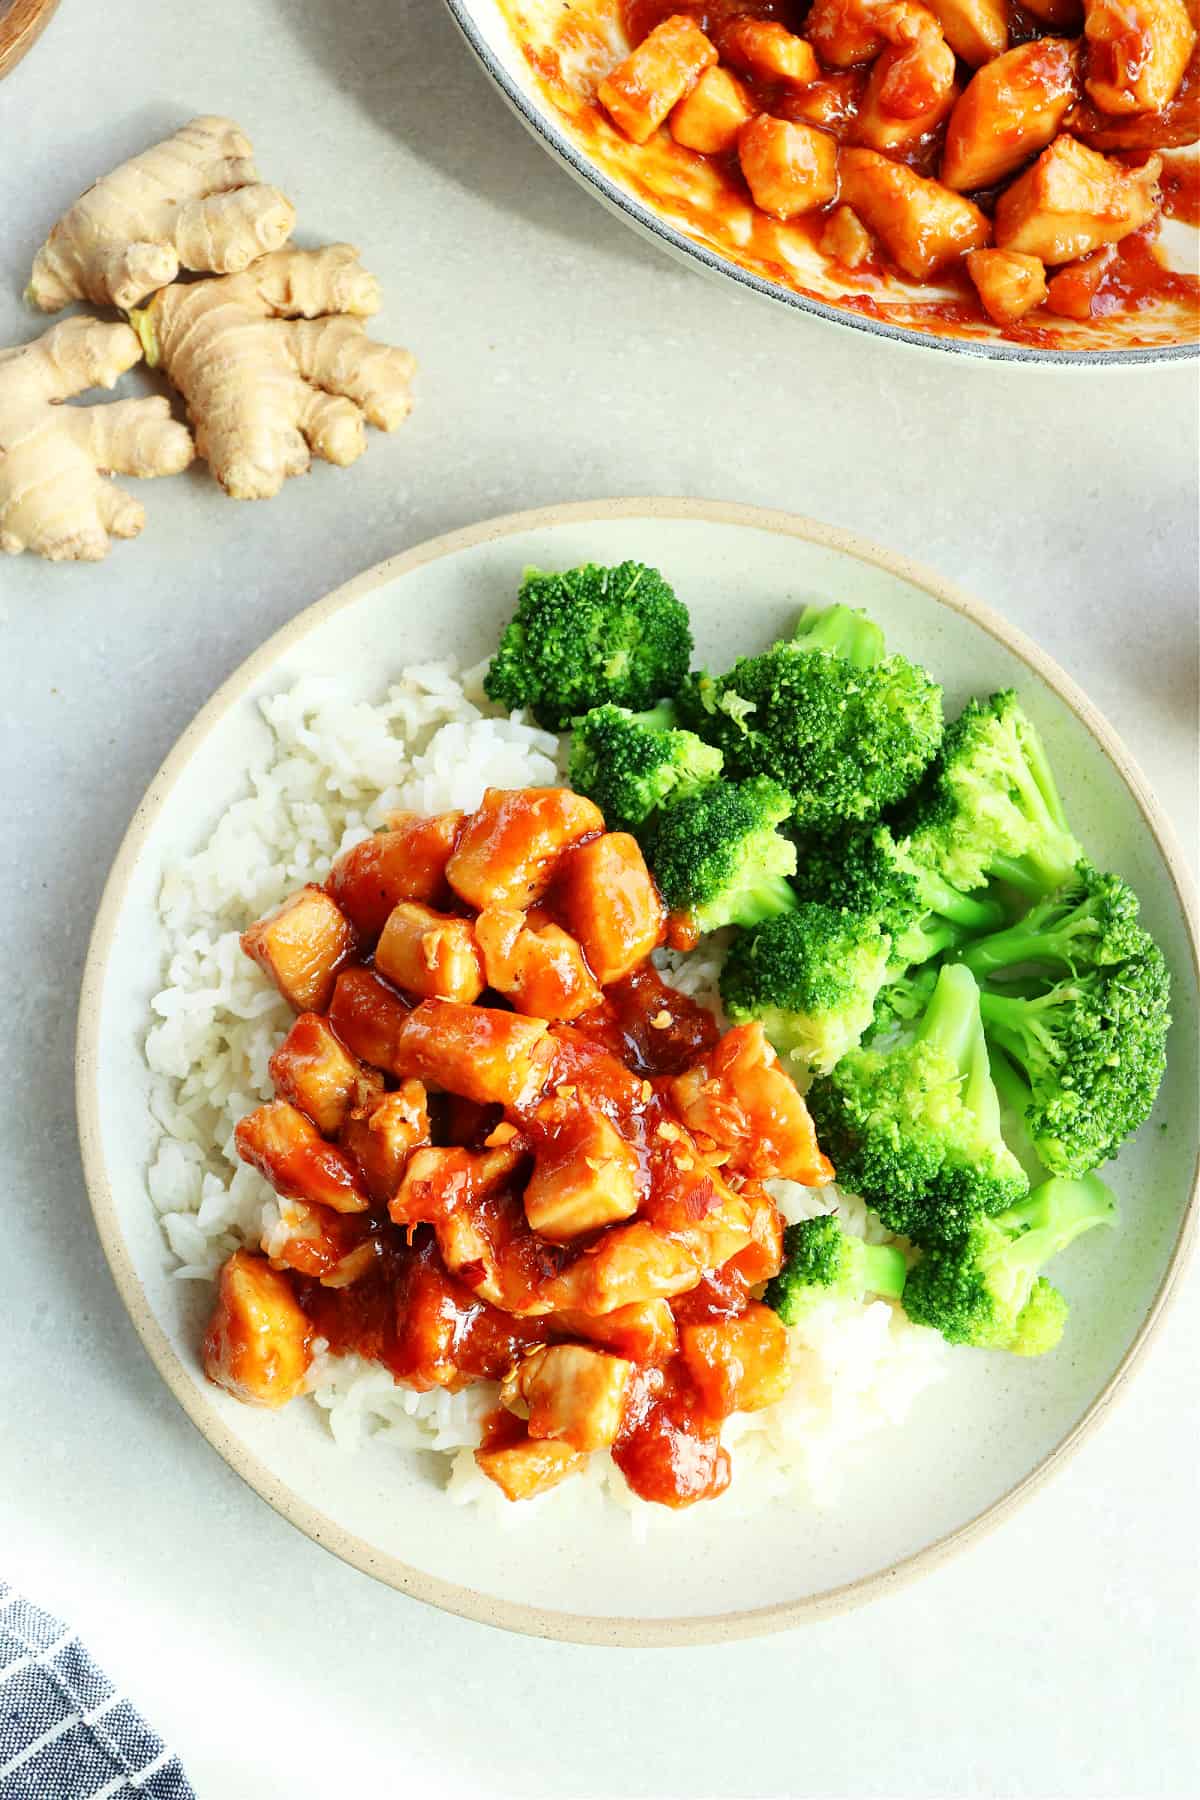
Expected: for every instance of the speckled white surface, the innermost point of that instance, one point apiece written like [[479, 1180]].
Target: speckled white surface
[[561, 359]]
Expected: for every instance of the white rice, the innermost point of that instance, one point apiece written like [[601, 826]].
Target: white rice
[[330, 768]]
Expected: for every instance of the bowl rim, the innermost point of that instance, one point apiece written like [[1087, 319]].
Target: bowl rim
[[468, 1602], [643, 218]]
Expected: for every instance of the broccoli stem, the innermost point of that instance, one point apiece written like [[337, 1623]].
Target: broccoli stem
[[972, 913], [1014, 1093], [952, 1016], [1019, 944], [773, 894], [884, 1270], [1012, 1023], [1049, 1218], [843, 631]]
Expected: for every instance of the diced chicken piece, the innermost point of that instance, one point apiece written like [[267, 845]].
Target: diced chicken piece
[[790, 168], [644, 1332], [287, 1148], [739, 1364], [430, 954], [846, 239], [1009, 284], [530, 1467], [541, 971], [405, 862], [302, 946], [1073, 200], [764, 48], [257, 1342], [1137, 51], [570, 1393], [586, 1177], [326, 1246], [1177, 125], [710, 117], [311, 1069], [611, 904], [911, 87], [691, 1203], [476, 1051], [832, 103], [844, 33], [976, 30], [509, 848], [1060, 15], [921, 224], [628, 1265], [740, 1096], [368, 1016], [1074, 288], [438, 1181], [380, 1135], [640, 92], [1010, 110], [763, 1255]]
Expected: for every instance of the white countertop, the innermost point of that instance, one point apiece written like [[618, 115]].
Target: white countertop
[[561, 358]]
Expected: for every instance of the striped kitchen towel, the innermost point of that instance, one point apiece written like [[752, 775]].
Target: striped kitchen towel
[[65, 1732]]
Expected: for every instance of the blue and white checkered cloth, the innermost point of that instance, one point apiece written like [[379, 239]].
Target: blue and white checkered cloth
[[65, 1732]]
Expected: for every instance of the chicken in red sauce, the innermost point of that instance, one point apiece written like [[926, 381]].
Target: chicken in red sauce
[[506, 1150]]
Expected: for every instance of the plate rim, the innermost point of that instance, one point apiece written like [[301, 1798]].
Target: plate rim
[[467, 1602], [644, 219]]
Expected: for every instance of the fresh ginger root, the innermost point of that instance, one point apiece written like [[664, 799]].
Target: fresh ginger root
[[53, 497], [275, 361], [191, 202]]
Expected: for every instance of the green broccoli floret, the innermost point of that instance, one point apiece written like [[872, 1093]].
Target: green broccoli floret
[[1091, 1051], [823, 1262], [866, 871], [915, 1127], [903, 999], [1090, 922], [630, 763], [718, 858], [846, 729], [811, 976], [989, 807], [987, 1291], [590, 637]]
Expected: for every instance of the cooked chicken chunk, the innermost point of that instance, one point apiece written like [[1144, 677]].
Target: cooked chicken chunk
[[738, 1364], [405, 862], [1009, 284], [288, 1149], [439, 1181], [311, 1069], [335, 1248], [541, 970], [710, 117], [911, 87], [630, 1264], [1073, 200], [1010, 110], [570, 1393], [640, 92], [763, 1255], [368, 1016], [976, 30], [430, 954], [476, 1051], [767, 49], [530, 1467], [789, 168], [302, 946], [1137, 51], [611, 904], [510, 846], [644, 1332], [586, 1176], [846, 239], [740, 1097], [257, 1343], [844, 33], [922, 225], [380, 1135], [1074, 288]]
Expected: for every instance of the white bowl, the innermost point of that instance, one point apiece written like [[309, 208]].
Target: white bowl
[[667, 193], [977, 1444]]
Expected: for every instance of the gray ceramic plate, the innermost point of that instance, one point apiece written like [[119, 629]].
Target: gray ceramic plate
[[981, 1441]]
